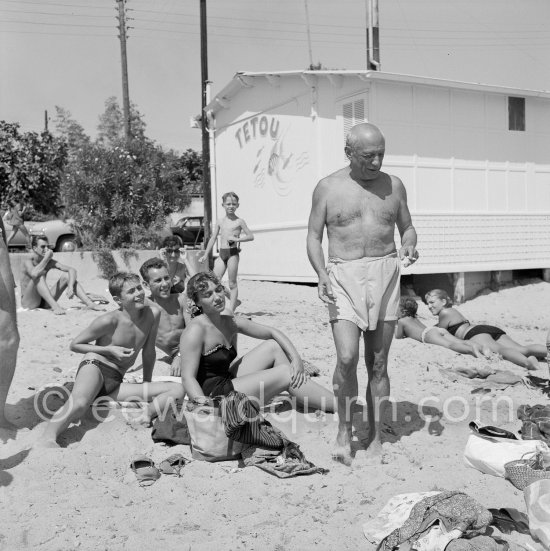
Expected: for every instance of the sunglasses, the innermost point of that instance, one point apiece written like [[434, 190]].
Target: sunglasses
[[172, 251]]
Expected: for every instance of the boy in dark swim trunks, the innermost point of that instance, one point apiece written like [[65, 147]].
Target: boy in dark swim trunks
[[230, 228], [111, 344]]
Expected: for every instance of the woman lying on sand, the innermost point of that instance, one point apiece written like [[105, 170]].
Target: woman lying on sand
[[410, 326], [208, 353], [494, 338]]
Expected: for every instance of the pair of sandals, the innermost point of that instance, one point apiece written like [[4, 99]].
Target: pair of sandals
[[147, 473]]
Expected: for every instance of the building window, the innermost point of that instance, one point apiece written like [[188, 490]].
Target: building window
[[516, 113], [351, 111]]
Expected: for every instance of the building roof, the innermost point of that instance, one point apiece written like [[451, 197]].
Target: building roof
[[246, 79]]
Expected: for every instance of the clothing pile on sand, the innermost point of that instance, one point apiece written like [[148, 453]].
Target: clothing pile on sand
[[434, 521]]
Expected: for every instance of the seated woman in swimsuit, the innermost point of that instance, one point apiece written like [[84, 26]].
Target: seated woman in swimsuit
[[493, 337], [208, 354], [410, 326]]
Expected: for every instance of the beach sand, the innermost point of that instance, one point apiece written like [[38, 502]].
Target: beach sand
[[84, 496]]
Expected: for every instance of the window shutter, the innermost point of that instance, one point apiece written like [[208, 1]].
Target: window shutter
[[353, 112]]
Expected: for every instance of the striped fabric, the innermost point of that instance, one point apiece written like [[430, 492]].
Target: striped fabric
[[244, 423]]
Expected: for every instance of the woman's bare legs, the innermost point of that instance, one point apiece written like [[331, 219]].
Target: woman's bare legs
[[511, 354], [537, 350], [265, 372]]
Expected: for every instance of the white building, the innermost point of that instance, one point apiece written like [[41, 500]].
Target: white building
[[475, 160]]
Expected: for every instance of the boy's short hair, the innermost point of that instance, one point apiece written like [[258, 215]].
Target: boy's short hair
[[408, 306], [441, 295], [155, 262], [171, 241], [117, 281], [35, 238], [230, 194]]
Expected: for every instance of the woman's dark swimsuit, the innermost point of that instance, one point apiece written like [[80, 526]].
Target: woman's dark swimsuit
[[213, 375], [495, 332], [454, 327]]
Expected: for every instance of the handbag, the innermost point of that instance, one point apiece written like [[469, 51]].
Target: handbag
[[208, 439], [489, 454]]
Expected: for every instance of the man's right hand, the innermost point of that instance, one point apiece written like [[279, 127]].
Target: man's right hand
[[120, 352], [202, 258], [324, 288], [58, 311], [48, 254]]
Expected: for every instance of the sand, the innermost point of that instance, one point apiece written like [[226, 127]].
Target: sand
[[84, 496]]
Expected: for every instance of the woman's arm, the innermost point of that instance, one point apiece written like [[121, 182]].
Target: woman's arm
[[265, 332], [191, 344]]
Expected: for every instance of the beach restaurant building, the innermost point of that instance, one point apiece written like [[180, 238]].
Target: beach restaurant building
[[474, 158]]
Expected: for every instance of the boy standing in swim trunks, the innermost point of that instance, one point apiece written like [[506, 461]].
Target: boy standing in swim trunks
[[230, 228], [110, 346]]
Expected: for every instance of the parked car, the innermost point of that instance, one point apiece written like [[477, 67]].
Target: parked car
[[190, 231], [61, 235]]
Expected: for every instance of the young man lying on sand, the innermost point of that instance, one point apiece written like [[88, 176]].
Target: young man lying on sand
[[119, 336], [35, 292], [410, 326], [173, 314]]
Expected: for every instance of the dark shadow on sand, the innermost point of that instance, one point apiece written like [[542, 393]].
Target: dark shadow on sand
[[9, 463], [404, 419], [33, 410]]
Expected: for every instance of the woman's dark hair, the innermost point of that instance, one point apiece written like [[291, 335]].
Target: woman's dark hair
[[196, 285], [408, 306]]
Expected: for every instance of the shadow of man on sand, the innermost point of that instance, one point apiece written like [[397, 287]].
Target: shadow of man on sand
[[403, 418]]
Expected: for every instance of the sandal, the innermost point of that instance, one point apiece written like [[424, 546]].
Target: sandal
[[173, 464], [146, 472]]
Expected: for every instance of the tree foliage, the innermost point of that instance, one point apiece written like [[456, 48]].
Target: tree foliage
[[110, 130], [31, 168]]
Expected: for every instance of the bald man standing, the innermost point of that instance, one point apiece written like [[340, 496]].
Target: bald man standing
[[360, 206], [9, 336]]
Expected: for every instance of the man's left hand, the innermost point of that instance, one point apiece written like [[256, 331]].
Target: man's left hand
[[408, 254]]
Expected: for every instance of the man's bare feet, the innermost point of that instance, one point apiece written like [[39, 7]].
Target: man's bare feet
[[532, 363], [372, 455], [144, 419], [341, 451]]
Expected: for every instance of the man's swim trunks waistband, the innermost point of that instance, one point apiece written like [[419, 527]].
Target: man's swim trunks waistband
[[336, 260]]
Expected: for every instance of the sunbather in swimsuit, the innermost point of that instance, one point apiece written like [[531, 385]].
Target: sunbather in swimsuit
[[213, 375]]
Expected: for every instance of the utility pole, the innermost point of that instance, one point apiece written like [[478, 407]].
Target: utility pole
[[45, 120], [373, 36], [308, 36], [206, 189], [124, 62]]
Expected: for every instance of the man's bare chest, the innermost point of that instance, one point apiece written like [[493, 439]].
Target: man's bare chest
[[364, 208]]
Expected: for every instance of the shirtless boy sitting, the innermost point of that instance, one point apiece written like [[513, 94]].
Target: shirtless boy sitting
[[410, 326], [173, 314], [111, 344], [35, 292]]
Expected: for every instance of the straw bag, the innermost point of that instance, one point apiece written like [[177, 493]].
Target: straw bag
[[523, 472], [208, 439]]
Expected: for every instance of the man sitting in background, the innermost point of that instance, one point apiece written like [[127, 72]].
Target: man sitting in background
[[35, 292]]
